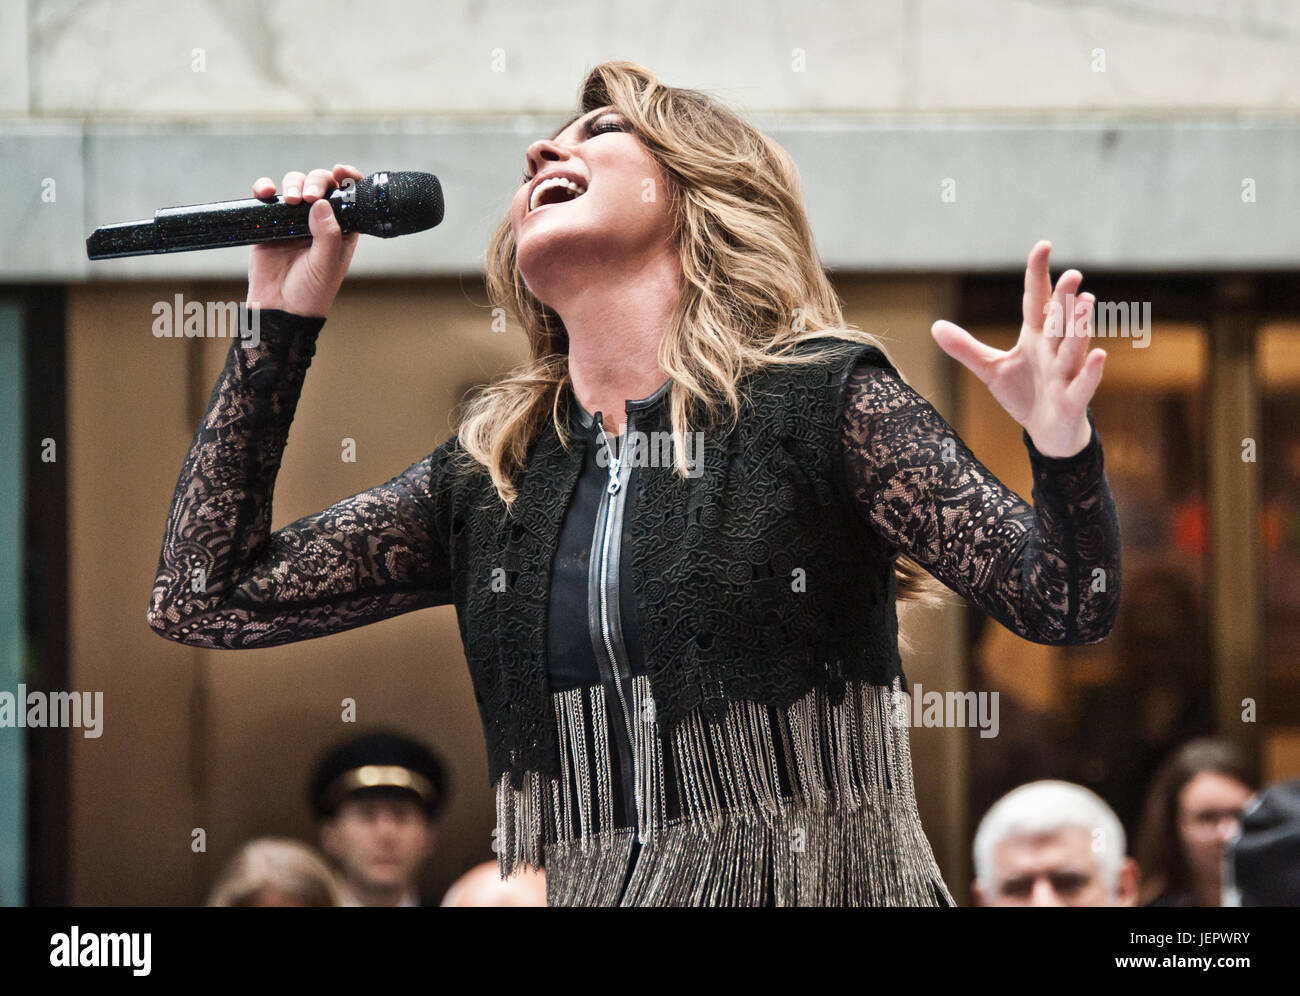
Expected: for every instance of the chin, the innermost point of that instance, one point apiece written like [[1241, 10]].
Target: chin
[[386, 877], [538, 257]]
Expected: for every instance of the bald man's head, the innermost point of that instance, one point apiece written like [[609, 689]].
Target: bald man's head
[[482, 885]]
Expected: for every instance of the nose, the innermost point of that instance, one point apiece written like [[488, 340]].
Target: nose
[[544, 151], [1044, 894], [1229, 824], [387, 822]]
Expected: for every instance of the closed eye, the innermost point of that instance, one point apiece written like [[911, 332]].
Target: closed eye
[[602, 125]]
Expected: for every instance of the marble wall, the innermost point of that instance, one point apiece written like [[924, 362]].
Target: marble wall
[[155, 59], [1124, 131]]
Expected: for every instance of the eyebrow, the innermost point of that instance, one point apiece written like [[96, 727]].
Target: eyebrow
[[592, 116]]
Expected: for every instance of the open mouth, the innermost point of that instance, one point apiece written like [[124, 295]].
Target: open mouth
[[555, 190]]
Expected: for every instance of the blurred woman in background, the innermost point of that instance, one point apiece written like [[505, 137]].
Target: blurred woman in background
[[276, 872], [1193, 808]]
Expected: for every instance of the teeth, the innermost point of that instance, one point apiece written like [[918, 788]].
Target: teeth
[[554, 181]]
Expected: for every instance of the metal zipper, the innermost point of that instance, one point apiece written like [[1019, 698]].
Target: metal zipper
[[616, 492]]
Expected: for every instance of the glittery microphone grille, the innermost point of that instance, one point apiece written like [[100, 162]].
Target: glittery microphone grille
[[397, 203]]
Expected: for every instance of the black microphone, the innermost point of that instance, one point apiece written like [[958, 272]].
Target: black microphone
[[386, 204]]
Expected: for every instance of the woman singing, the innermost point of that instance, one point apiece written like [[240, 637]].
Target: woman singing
[[676, 536]]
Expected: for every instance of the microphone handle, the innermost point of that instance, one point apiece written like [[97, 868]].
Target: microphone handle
[[215, 226]]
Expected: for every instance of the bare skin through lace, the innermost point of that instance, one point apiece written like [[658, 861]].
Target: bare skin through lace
[[225, 580], [1032, 568]]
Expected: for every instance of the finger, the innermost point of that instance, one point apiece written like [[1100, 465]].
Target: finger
[[963, 347], [329, 244], [324, 227], [292, 186], [1038, 284], [342, 173], [1080, 390], [345, 174], [319, 182], [1073, 348], [264, 188], [1058, 314]]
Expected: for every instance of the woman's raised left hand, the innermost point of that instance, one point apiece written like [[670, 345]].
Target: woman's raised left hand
[[1047, 379]]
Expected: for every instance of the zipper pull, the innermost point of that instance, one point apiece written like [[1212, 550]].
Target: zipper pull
[[614, 484]]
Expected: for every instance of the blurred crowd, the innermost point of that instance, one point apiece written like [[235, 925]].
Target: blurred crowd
[[1209, 837], [377, 799]]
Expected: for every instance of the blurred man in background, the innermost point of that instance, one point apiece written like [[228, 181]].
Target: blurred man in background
[[1052, 843], [376, 798], [483, 885]]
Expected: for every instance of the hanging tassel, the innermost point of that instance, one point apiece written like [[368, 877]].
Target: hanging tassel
[[810, 805]]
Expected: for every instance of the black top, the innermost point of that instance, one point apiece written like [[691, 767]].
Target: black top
[[368, 557], [916, 485], [919, 487], [570, 654]]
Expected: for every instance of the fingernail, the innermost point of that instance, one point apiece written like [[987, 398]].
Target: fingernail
[[311, 191]]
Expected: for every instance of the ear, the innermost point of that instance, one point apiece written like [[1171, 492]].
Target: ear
[[978, 893], [1126, 884]]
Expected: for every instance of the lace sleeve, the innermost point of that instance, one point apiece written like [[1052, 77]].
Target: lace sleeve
[[1049, 573], [225, 580]]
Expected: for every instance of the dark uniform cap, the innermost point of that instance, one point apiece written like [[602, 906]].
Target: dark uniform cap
[[378, 764]]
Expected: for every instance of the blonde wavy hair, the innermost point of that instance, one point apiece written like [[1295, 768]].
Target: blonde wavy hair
[[276, 867], [753, 287]]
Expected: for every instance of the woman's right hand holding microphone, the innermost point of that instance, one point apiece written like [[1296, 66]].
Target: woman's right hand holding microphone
[[297, 276]]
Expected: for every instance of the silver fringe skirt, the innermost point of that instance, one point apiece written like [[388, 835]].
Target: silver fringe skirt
[[811, 805]]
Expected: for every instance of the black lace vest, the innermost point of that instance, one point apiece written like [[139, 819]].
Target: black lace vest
[[754, 578]]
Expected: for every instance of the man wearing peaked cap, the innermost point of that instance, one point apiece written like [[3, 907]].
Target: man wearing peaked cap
[[376, 797]]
